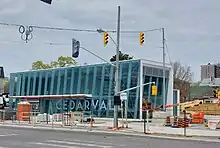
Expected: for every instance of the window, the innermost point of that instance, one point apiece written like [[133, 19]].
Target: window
[[62, 73], [69, 77], [56, 74], [37, 83], [31, 84], [83, 79], [49, 79], [90, 81], [106, 80]]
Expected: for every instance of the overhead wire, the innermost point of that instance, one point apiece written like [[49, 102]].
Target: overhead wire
[[77, 30]]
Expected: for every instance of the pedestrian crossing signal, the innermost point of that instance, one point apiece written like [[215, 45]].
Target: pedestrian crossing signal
[[105, 38], [141, 38], [154, 90]]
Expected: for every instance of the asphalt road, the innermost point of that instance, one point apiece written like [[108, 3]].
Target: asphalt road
[[23, 138]]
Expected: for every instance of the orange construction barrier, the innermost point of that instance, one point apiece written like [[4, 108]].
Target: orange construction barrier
[[168, 121], [175, 122], [180, 123], [187, 122], [24, 109], [197, 118]]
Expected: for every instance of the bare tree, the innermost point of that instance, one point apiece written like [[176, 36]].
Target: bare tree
[[182, 79]]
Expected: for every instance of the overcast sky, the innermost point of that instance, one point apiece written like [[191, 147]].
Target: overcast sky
[[191, 29]]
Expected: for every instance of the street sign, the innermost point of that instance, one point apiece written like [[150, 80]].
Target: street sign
[[123, 96], [75, 48]]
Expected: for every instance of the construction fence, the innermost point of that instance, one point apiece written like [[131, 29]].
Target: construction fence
[[36, 118]]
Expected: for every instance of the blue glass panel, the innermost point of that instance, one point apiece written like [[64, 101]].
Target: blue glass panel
[[56, 75], [76, 80], [43, 82], [34, 83], [38, 83], [87, 80], [52, 82], [124, 75], [62, 74], [106, 80], [65, 81], [28, 82], [69, 77], [79, 80], [49, 79], [31, 84], [146, 88], [83, 80], [90, 80], [98, 81]]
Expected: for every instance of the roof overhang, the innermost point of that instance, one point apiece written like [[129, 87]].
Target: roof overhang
[[69, 96]]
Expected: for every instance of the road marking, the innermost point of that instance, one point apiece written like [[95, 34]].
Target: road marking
[[8, 135], [3, 147], [89, 141], [78, 143], [54, 145], [92, 142]]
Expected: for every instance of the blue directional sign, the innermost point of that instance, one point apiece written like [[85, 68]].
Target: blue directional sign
[[75, 48]]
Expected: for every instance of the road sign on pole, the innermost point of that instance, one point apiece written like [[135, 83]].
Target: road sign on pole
[[123, 96]]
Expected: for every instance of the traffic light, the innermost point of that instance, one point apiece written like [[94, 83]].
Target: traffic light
[[75, 48], [154, 90], [117, 100], [141, 38], [47, 1], [105, 38]]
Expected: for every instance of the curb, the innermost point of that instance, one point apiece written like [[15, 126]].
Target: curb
[[131, 134]]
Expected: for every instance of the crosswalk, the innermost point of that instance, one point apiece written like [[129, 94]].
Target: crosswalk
[[72, 144]]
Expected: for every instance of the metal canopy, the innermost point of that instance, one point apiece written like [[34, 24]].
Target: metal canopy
[[71, 96]]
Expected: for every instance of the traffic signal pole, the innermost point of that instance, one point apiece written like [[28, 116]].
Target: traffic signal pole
[[116, 68], [164, 86]]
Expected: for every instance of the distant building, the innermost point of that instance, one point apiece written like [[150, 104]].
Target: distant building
[[2, 78], [210, 71]]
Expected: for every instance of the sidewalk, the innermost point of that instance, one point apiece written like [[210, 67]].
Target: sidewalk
[[134, 128]]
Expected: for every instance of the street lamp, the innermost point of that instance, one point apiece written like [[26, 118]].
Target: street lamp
[[102, 31]]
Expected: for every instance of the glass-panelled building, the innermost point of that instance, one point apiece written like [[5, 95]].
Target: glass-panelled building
[[97, 80]]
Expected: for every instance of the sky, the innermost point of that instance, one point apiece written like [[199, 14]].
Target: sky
[[192, 31]]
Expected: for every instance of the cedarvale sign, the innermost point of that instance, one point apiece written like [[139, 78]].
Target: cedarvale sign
[[81, 105]]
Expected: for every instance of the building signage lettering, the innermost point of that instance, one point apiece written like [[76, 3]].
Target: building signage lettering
[[79, 105]]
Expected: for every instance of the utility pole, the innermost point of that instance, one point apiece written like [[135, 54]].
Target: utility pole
[[164, 82], [116, 69]]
